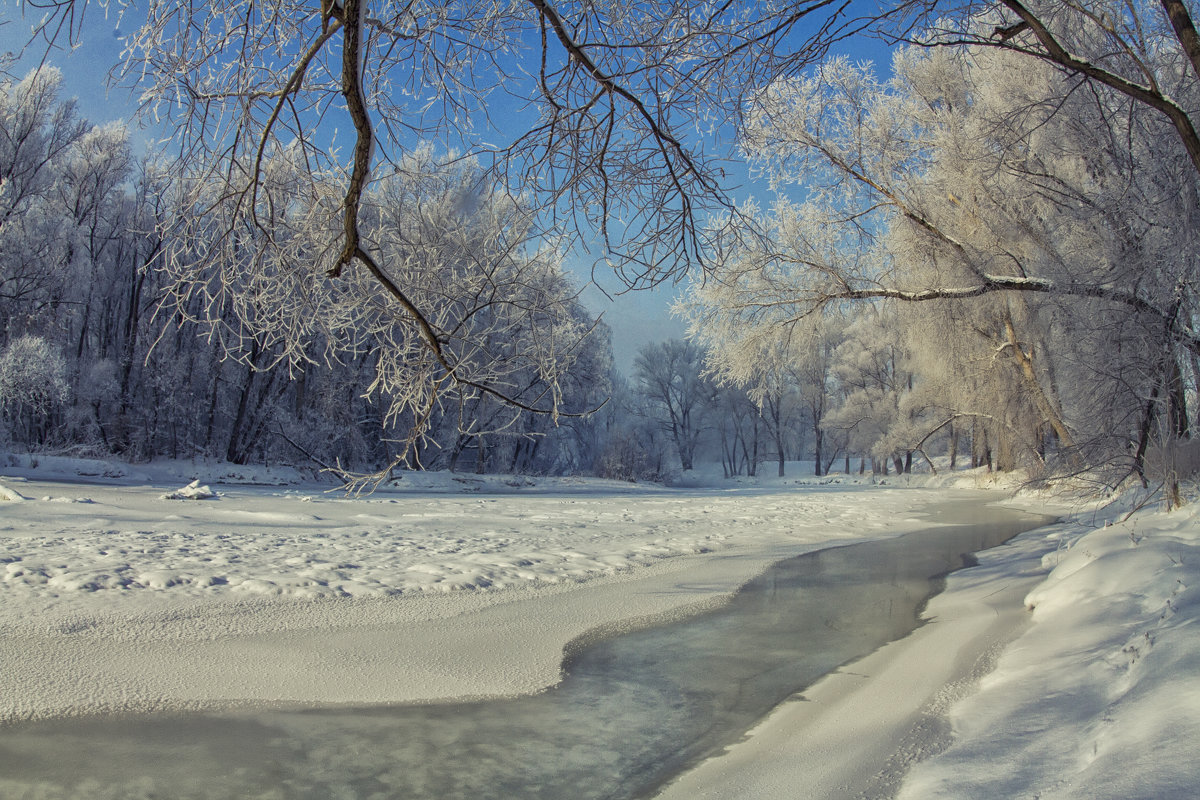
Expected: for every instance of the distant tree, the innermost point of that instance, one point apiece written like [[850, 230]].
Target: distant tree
[[741, 428], [782, 369], [629, 445], [669, 375], [871, 371]]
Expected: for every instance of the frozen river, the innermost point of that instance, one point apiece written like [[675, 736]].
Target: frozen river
[[632, 711]]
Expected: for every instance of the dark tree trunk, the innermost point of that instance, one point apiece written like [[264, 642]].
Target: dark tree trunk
[[953, 444]]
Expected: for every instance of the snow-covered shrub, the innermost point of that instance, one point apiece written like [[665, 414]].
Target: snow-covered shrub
[[33, 385], [32, 374], [625, 458]]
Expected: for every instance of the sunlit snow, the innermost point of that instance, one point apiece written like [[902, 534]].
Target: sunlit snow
[[182, 586]]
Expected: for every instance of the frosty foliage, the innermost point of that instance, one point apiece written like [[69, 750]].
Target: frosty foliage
[[34, 238], [1014, 205], [297, 245], [593, 114], [670, 375], [496, 304]]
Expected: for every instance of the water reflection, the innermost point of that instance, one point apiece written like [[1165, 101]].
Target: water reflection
[[632, 712]]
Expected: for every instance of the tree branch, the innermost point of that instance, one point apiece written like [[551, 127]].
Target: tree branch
[[1149, 95], [1002, 283]]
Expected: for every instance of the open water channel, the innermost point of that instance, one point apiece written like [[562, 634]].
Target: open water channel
[[632, 711]]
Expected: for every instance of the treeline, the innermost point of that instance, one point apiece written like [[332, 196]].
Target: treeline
[[986, 257], [110, 345], [106, 350], [839, 399]]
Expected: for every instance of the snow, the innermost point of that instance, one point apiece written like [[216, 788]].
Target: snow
[[9, 495], [1100, 698], [193, 491], [1067, 664], [116, 598]]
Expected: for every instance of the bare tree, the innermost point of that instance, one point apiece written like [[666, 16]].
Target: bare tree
[[670, 375]]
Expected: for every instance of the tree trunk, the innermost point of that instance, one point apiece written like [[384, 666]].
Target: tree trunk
[[233, 452], [1043, 404], [1139, 455], [832, 458], [460, 442], [974, 443], [1185, 31], [1177, 406], [779, 448]]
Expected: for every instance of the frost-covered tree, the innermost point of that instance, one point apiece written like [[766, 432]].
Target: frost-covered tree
[[39, 135], [629, 444], [1148, 53], [981, 184], [82, 263], [499, 328], [594, 115], [783, 370], [873, 376], [741, 431]]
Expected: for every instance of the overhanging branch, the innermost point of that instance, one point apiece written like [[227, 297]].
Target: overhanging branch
[[1001, 283]]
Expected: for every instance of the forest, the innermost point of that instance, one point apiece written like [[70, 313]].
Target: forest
[[980, 253]]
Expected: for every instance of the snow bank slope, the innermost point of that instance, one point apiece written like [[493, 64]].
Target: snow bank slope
[[1101, 697]]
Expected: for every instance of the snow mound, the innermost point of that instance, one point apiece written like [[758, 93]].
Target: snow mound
[[9, 495], [193, 491]]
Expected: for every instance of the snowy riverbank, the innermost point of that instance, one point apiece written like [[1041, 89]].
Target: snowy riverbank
[[116, 598], [1066, 665], [1100, 696]]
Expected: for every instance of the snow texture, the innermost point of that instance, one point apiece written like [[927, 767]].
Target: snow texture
[[115, 598], [1100, 698], [1066, 665]]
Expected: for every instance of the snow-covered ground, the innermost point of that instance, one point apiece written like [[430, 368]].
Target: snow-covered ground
[[123, 589], [121, 592]]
